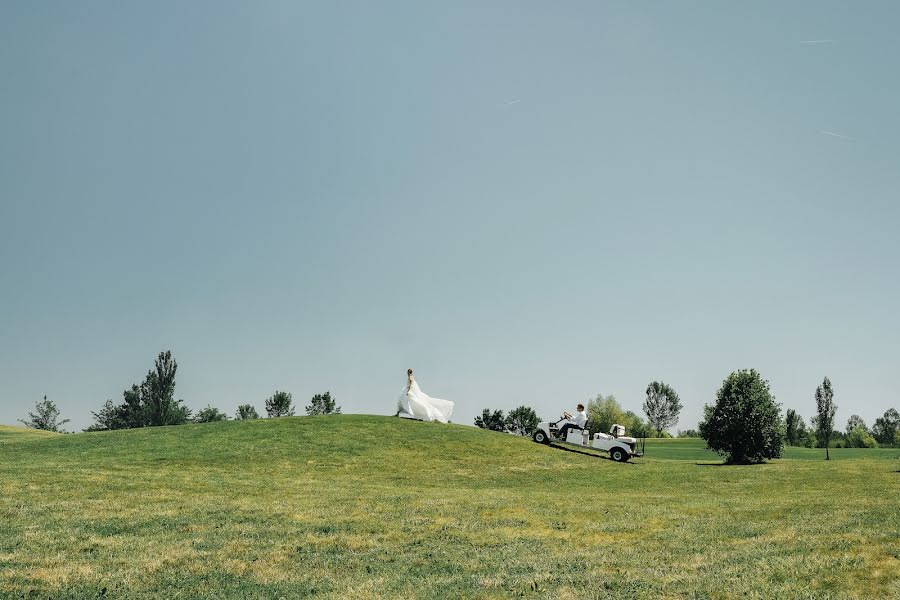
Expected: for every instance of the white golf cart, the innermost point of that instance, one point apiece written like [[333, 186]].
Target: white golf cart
[[620, 447]]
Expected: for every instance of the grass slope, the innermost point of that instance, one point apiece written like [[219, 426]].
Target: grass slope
[[369, 507]]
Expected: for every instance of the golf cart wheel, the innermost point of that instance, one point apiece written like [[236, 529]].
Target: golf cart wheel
[[540, 437], [618, 455]]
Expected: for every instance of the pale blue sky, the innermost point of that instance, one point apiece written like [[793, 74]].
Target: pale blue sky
[[315, 196]]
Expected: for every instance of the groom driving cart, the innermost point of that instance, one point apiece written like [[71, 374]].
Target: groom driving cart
[[573, 422], [572, 433]]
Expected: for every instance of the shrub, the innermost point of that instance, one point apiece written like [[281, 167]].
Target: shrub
[[323, 404], [46, 417], [745, 424], [245, 412], [522, 421], [280, 405], [210, 414], [494, 421], [860, 438]]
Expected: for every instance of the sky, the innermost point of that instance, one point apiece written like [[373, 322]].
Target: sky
[[526, 202]]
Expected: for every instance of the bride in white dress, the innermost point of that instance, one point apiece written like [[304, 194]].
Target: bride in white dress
[[414, 403]]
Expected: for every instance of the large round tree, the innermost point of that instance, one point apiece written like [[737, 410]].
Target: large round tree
[[745, 424]]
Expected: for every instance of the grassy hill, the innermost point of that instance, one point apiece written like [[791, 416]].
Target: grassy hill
[[369, 507]]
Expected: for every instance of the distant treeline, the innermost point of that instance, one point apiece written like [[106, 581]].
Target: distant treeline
[[152, 403], [745, 423]]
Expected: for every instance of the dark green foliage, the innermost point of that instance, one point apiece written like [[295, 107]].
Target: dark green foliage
[[688, 433], [522, 421], [494, 421], [662, 406], [152, 403], [793, 424], [854, 422], [745, 424], [858, 437], [108, 417], [825, 409], [887, 428], [280, 405], [46, 417], [323, 404], [210, 414], [635, 426], [246, 411]]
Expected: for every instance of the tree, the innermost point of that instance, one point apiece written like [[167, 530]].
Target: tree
[[322, 404], [856, 421], [522, 421], [210, 414], [825, 409], [793, 422], [46, 417], [887, 427], [603, 412], [493, 421], [280, 405], [662, 406], [634, 424], [246, 412], [159, 394], [745, 424], [149, 404], [108, 417], [688, 433], [858, 437]]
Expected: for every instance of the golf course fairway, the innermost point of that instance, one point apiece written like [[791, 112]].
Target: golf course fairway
[[354, 506]]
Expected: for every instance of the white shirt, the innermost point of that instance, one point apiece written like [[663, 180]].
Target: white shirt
[[579, 418]]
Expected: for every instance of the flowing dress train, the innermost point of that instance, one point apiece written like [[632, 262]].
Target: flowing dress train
[[416, 403]]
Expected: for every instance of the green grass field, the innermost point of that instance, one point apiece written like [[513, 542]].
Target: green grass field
[[378, 507]]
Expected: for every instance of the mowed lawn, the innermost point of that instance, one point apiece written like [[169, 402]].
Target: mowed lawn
[[378, 507]]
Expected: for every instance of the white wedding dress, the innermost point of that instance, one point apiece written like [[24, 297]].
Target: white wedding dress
[[415, 404]]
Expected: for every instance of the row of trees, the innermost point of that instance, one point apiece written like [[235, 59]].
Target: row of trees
[[856, 434], [153, 403], [662, 407], [745, 423], [520, 421]]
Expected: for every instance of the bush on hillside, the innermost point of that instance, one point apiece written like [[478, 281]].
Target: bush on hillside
[[494, 421], [45, 417], [522, 421], [210, 414], [280, 404], [323, 404], [745, 424], [150, 404], [245, 412]]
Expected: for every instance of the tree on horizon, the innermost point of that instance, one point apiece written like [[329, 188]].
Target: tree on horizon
[[662, 406], [45, 417], [322, 404], [744, 425], [825, 409], [280, 404]]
